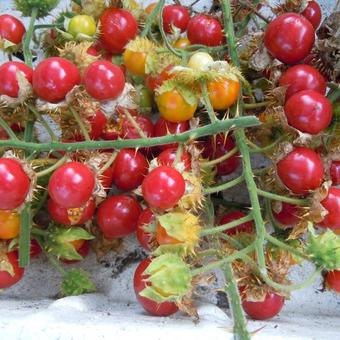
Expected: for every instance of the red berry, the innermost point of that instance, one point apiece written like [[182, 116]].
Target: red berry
[[168, 157], [175, 15], [144, 237], [335, 172], [9, 279], [332, 204], [11, 29], [289, 214], [313, 13], [333, 280], [247, 227]]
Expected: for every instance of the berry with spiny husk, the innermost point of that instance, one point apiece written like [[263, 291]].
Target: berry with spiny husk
[[94, 8], [178, 231], [324, 249], [193, 196], [76, 282], [169, 279], [44, 7]]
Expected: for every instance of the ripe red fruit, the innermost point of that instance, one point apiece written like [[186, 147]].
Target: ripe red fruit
[[164, 127], [118, 27], [106, 178], [289, 214], [3, 134], [163, 187], [60, 214], [247, 227], [335, 172], [152, 82], [97, 122], [14, 184], [175, 15], [301, 170], [303, 77], [9, 84], [143, 237], [145, 124], [117, 216], [129, 169], [289, 38], [71, 185], [313, 13], [332, 204], [104, 80], [218, 146], [333, 280], [204, 29], [54, 77], [11, 29], [263, 310], [168, 157], [9, 279], [308, 111], [152, 307]]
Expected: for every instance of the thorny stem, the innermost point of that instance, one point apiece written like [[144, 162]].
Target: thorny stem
[[8, 130], [224, 186], [179, 153], [24, 237], [80, 124], [217, 264], [28, 38], [134, 124], [240, 323], [255, 105], [227, 226], [218, 160], [207, 102], [55, 166], [256, 149], [275, 197], [152, 18], [207, 130]]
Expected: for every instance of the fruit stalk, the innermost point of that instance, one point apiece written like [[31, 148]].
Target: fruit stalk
[[24, 237], [28, 38]]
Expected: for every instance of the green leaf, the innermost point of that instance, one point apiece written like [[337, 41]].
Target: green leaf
[[76, 282]]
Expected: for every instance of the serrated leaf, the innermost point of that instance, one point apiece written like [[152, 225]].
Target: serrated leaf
[[76, 282]]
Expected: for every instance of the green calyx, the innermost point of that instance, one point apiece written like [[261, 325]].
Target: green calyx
[[169, 278], [44, 7], [58, 241], [324, 249], [76, 282]]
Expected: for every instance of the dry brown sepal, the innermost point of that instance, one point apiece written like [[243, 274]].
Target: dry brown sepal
[[94, 8], [102, 246], [296, 6], [77, 54]]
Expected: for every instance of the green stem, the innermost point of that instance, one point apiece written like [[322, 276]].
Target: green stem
[[179, 154], [218, 264], [207, 130], [28, 38], [36, 27], [218, 160], [255, 105], [269, 213], [334, 95], [39, 232], [227, 226], [108, 163], [56, 264], [24, 237], [42, 120], [240, 324], [207, 102], [8, 130], [275, 197], [224, 186], [80, 124], [134, 124], [256, 149], [285, 246], [55, 166], [152, 18], [28, 134]]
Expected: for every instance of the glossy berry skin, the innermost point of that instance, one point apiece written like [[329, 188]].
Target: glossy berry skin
[[303, 77], [97, 122], [6, 279], [145, 218], [313, 13], [335, 172], [14, 184], [54, 77], [9, 84], [264, 310], [60, 215], [152, 82], [218, 146], [144, 122], [118, 27], [168, 157], [11, 29], [289, 214], [309, 111], [129, 169], [117, 216], [332, 204], [152, 307], [9, 224], [104, 80], [289, 38], [163, 187], [71, 185], [333, 280], [247, 227], [164, 127], [175, 15], [205, 30], [301, 170]]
